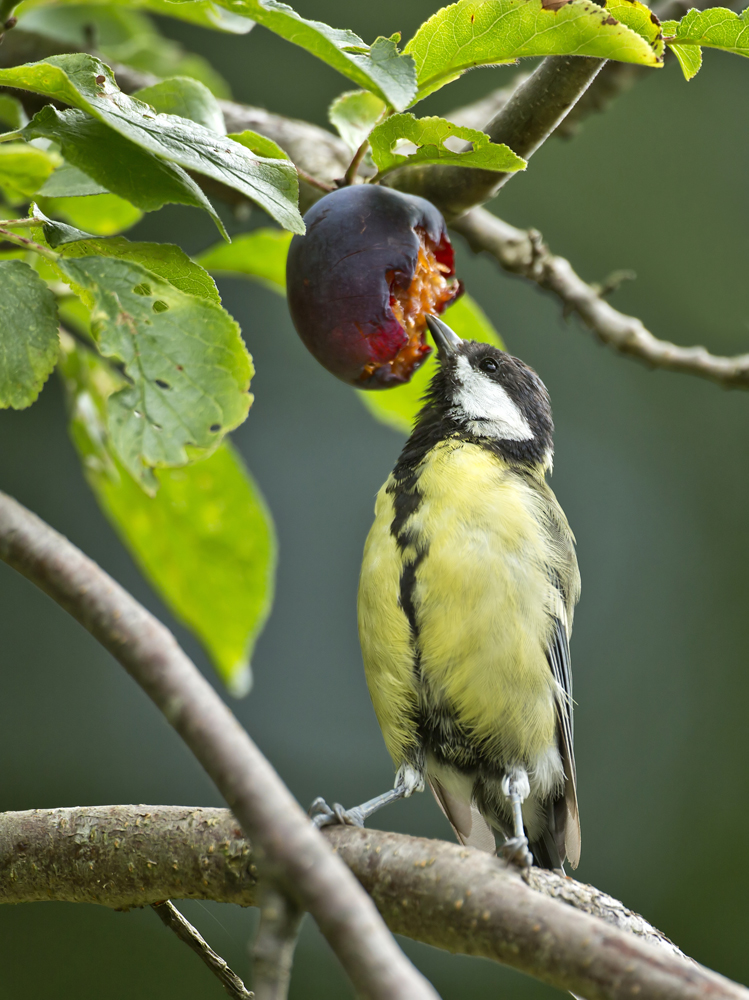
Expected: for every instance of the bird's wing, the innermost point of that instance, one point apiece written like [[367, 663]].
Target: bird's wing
[[559, 660], [468, 824]]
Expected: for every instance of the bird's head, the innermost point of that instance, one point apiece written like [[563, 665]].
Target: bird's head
[[485, 393]]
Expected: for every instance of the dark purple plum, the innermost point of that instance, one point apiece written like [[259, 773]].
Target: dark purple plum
[[371, 265]]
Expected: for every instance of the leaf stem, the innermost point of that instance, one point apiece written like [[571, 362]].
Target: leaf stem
[[26, 223], [27, 244], [10, 136], [353, 167]]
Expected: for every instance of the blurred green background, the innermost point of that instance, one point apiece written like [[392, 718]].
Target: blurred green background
[[651, 468]]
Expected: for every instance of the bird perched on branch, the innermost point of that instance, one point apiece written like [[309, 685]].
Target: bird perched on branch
[[467, 591]]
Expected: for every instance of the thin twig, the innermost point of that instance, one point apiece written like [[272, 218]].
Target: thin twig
[[568, 934], [26, 244], [524, 253], [315, 181], [273, 950], [175, 921], [261, 802]]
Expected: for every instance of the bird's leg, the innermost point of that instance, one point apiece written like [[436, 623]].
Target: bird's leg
[[516, 788], [407, 781]]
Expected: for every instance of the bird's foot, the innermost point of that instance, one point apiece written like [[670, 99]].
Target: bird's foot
[[322, 814], [515, 852]]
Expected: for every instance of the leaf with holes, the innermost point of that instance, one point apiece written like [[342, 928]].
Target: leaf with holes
[[429, 136], [474, 33], [379, 67], [188, 368], [260, 255], [86, 83], [180, 95], [116, 164], [205, 541], [28, 334], [399, 407], [355, 114]]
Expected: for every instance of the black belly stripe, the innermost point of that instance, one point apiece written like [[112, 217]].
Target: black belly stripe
[[406, 501]]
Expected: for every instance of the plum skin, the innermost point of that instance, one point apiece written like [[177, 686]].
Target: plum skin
[[366, 249]]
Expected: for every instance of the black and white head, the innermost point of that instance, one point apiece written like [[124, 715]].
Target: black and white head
[[488, 395]]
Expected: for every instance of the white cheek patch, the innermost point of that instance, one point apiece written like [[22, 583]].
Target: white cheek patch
[[488, 407]]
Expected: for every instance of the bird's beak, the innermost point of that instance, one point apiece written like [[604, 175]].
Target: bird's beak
[[446, 340]]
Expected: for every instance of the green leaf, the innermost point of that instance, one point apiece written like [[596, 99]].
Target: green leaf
[[116, 164], [28, 334], [205, 542], [11, 112], [201, 12], [179, 95], [189, 370], [689, 58], [488, 32], [355, 114], [23, 170], [641, 19], [166, 260], [87, 84], [399, 407], [259, 144], [101, 214], [123, 35], [380, 67], [429, 136], [260, 255], [70, 182], [716, 28]]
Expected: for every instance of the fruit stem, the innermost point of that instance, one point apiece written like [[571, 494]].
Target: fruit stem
[[353, 167]]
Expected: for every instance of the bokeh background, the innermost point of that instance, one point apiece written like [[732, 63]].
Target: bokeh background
[[652, 469]]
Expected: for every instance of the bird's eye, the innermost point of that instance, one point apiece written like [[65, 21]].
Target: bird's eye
[[489, 365]]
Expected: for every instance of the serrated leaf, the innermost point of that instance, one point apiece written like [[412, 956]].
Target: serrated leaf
[[70, 182], [164, 259], [204, 13], [399, 407], [380, 67], [11, 112], [689, 58], [429, 136], [116, 164], [189, 369], [715, 28], [28, 334], [87, 84], [355, 114], [205, 541], [23, 170], [101, 214], [260, 255], [488, 32], [259, 144], [179, 95]]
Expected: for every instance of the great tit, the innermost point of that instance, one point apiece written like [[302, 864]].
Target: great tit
[[466, 597]]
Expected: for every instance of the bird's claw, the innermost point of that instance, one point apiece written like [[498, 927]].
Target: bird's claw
[[322, 814], [515, 852]]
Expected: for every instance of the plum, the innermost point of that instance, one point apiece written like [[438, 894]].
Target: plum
[[372, 264]]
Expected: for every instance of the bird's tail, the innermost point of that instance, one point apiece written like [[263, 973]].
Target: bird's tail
[[469, 825]]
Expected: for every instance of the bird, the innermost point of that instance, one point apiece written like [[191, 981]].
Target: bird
[[466, 597]]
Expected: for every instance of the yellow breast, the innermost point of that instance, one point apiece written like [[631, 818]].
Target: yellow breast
[[482, 598]]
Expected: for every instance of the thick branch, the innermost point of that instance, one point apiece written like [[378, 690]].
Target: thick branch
[[561, 931], [266, 810], [531, 114], [523, 252]]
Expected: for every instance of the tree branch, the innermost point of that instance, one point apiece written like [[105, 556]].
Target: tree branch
[[523, 252], [273, 951], [565, 933], [293, 850], [173, 919], [531, 114]]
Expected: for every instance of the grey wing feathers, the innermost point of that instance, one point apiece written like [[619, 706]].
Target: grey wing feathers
[[559, 661]]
